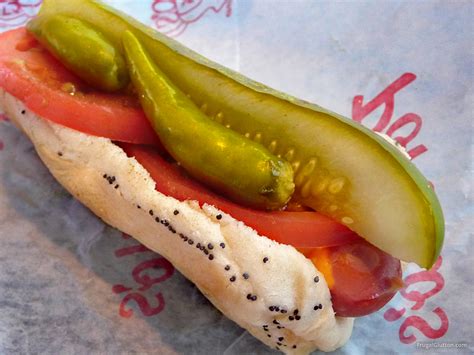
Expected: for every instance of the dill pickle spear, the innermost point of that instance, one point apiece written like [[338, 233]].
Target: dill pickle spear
[[341, 168], [83, 50], [217, 156]]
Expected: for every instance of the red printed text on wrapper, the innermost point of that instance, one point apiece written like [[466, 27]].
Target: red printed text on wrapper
[[14, 13], [385, 125], [415, 299], [150, 271], [172, 17]]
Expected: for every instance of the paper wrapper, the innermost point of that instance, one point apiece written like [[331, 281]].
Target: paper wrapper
[[69, 284]]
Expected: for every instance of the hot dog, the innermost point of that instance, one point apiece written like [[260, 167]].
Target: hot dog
[[240, 276]]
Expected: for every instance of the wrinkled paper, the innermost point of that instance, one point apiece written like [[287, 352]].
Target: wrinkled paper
[[69, 284]]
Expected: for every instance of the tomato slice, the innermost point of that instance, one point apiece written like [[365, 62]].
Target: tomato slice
[[300, 229], [47, 88], [361, 277]]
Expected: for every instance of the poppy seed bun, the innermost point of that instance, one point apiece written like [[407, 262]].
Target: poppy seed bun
[[276, 300]]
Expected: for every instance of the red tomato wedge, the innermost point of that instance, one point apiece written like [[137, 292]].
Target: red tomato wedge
[[300, 229], [361, 277], [46, 87]]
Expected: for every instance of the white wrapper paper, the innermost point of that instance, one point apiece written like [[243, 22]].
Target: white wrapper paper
[[71, 285]]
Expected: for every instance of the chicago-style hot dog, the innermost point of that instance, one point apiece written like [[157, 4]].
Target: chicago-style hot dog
[[267, 287]]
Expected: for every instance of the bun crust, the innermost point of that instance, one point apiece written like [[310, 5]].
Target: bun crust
[[228, 267]]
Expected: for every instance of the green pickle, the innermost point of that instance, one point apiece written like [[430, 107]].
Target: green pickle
[[341, 168], [215, 155], [83, 50]]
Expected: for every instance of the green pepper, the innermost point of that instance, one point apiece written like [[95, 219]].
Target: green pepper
[[83, 50], [341, 168], [215, 155]]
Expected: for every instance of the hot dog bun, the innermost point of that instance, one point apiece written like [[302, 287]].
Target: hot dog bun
[[85, 165]]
